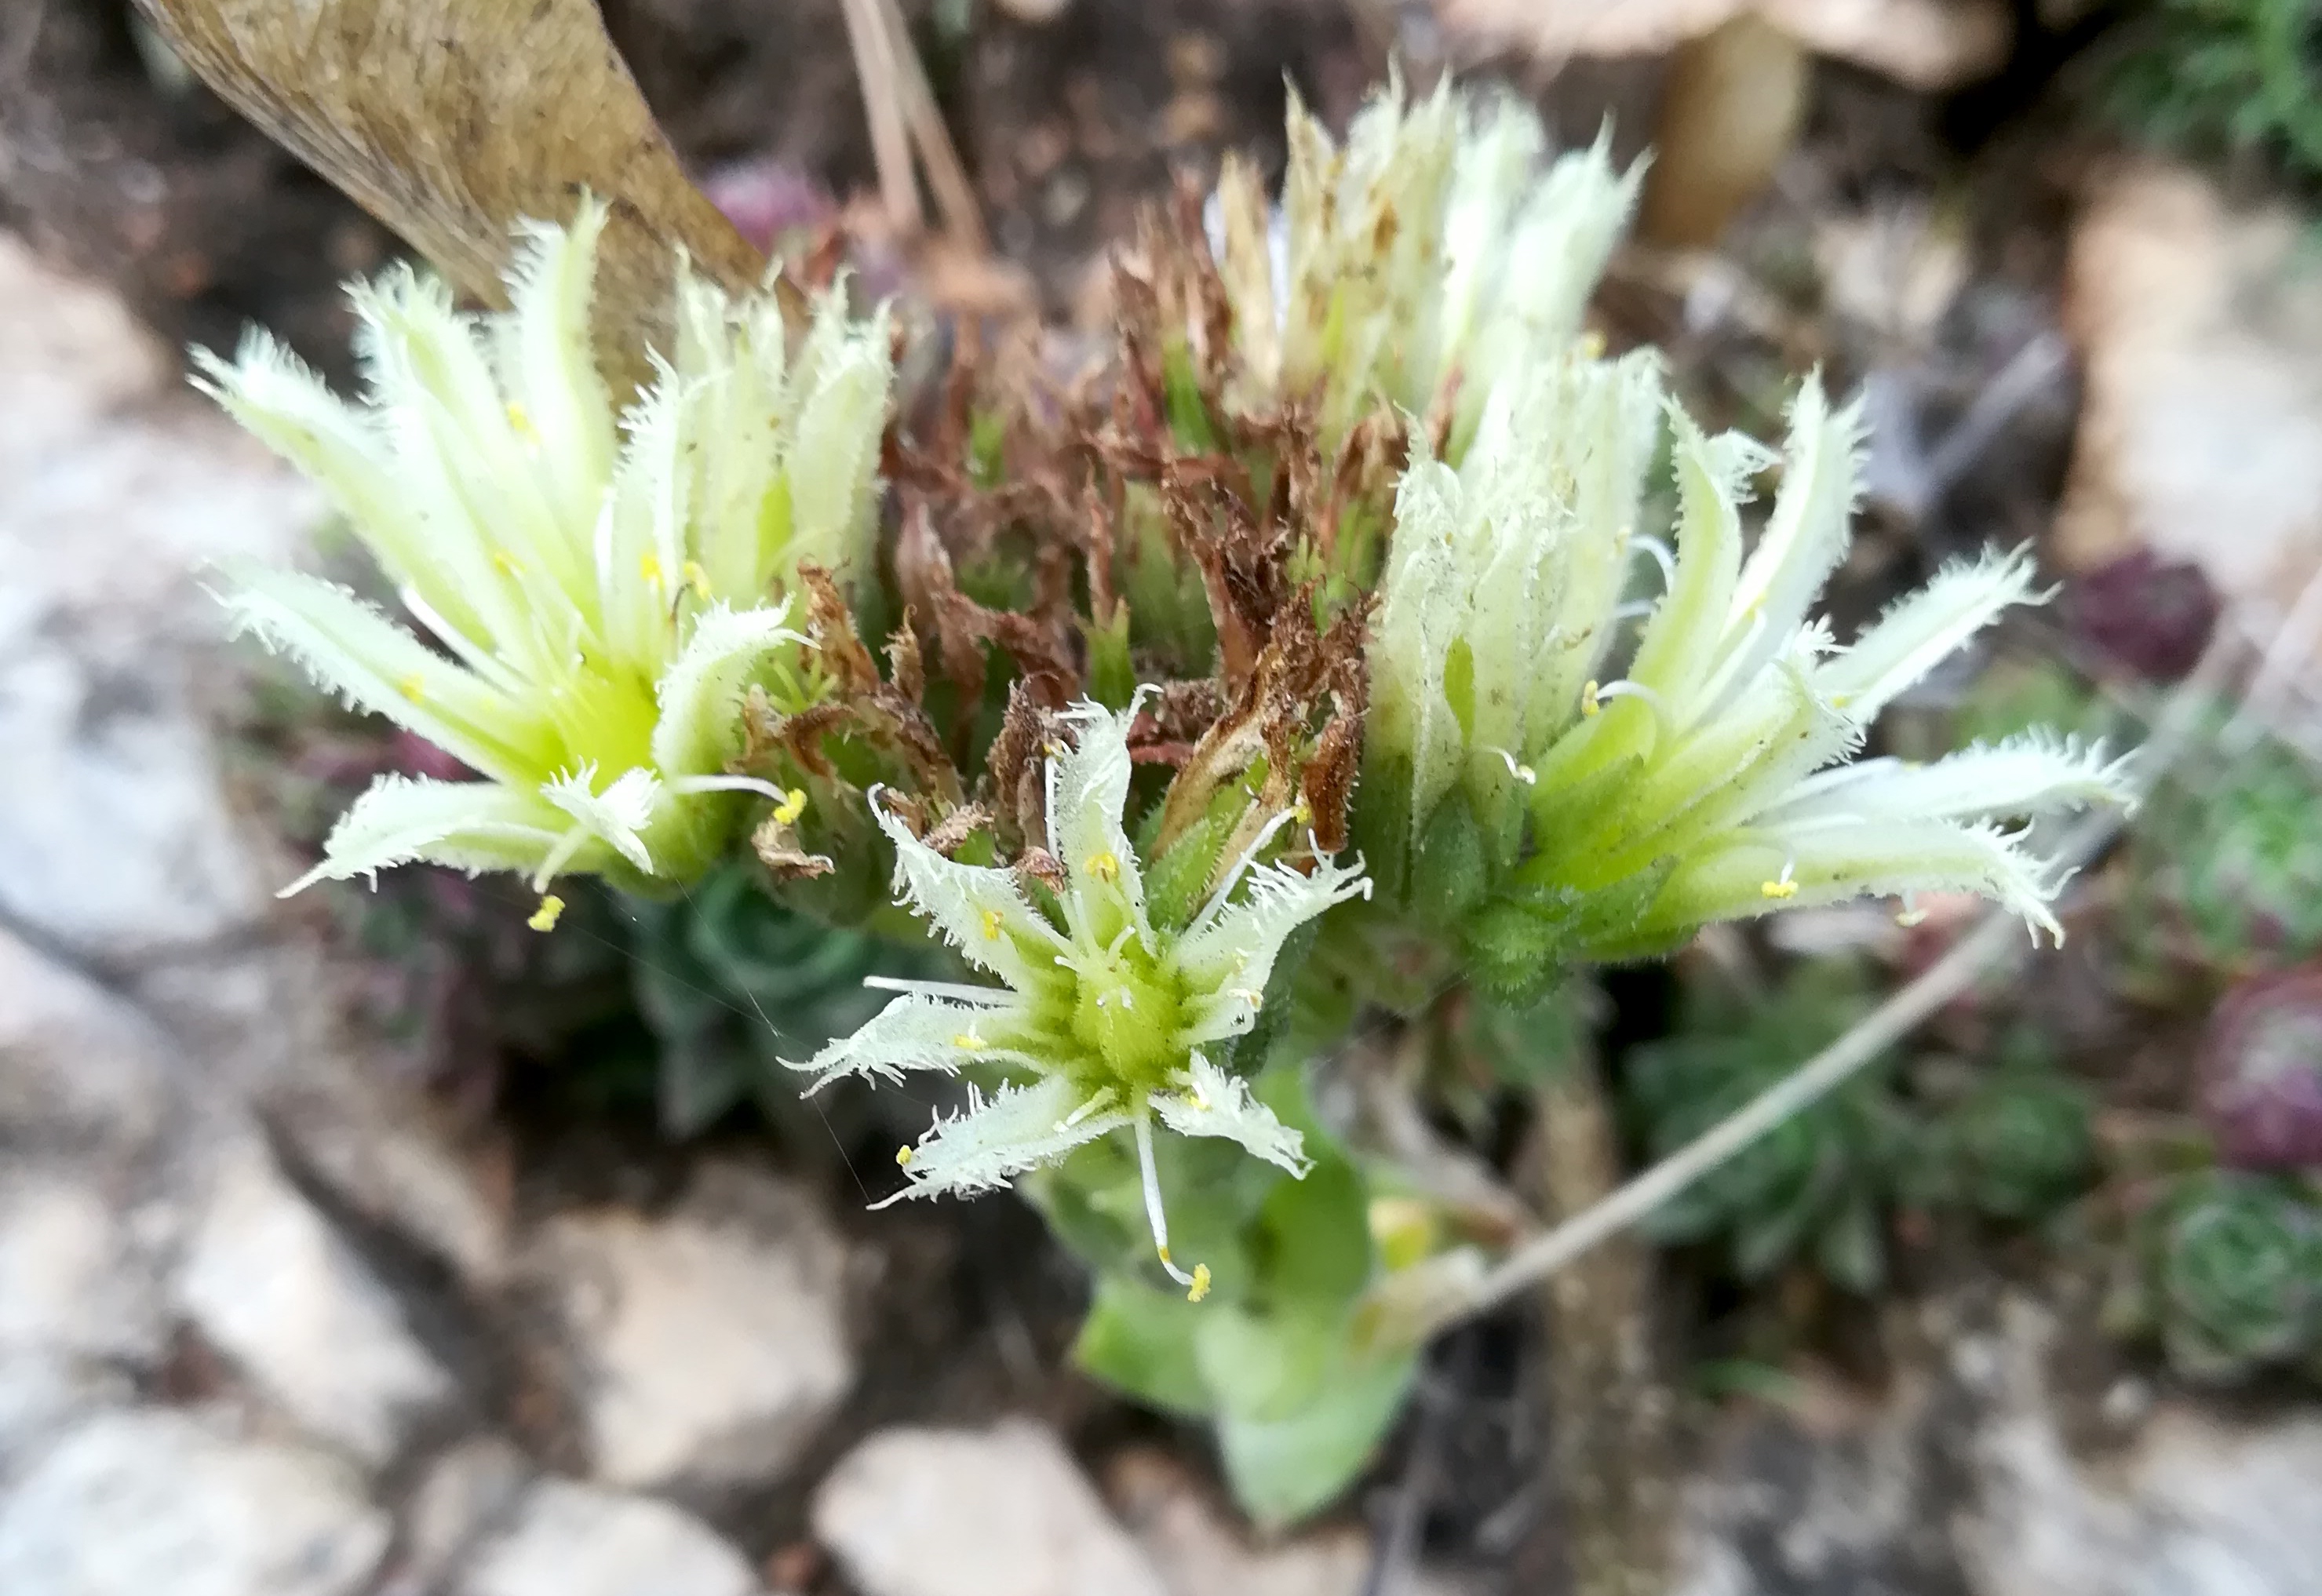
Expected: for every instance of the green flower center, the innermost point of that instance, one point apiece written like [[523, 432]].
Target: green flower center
[[1127, 1010]]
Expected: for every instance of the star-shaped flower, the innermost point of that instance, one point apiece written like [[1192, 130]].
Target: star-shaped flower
[[595, 604], [1103, 1016]]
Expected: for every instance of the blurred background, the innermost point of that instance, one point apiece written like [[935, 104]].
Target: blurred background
[[368, 1243]]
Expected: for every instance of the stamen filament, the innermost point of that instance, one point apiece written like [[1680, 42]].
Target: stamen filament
[[1152, 1214]]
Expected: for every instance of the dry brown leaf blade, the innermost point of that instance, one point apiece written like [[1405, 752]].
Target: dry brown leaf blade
[[452, 120]]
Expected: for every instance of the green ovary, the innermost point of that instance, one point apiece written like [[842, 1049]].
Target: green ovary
[[1128, 1012]]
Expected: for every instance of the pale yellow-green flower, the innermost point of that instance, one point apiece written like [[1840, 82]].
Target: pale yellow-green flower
[[1432, 254], [1593, 793], [596, 591], [1104, 1019]]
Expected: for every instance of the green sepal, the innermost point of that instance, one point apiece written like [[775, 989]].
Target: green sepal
[[1450, 873], [1381, 824], [1111, 673]]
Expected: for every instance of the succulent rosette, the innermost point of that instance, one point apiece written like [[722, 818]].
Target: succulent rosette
[[2261, 1074]]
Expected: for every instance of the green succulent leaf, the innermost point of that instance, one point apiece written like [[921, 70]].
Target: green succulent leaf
[[1141, 1341], [1283, 1469]]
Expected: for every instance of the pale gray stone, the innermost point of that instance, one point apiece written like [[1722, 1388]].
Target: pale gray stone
[[116, 486], [162, 1503], [2199, 327], [1960, 1478], [380, 1151], [42, 1393], [70, 1277], [568, 1539], [706, 1347], [1003, 1511], [79, 1068], [465, 1495], [274, 1288], [1199, 1549], [2198, 1506]]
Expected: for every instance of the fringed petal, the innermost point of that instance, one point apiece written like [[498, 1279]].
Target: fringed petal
[[470, 826], [1230, 957], [700, 696], [1088, 789], [1680, 643], [1213, 1103], [617, 815], [846, 378], [997, 1138], [2025, 776], [922, 1031], [979, 910], [349, 647], [1796, 866], [1808, 533], [1919, 631], [345, 451], [548, 366]]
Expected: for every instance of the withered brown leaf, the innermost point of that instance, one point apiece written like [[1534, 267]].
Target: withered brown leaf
[[452, 120]]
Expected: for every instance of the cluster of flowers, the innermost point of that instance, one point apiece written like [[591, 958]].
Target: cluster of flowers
[[1560, 769]]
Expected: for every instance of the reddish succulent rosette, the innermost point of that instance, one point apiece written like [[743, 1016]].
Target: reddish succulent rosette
[[2261, 1071]]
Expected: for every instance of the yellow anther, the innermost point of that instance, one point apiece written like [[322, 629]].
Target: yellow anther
[[504, 562], [902, 1157], [544, 918], [1592, 345], [520, 419], [1778, 889], [1253, 996], [1302, 813], [967, 1039], [792, 805], [412, 688], [698, 579], [649, 567], [1105, 866], [1910, 917], [991, 925], [1588, 704], [1200, 1286]]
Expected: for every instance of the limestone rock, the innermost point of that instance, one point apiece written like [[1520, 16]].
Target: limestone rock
[[998, 1512], [466, 1495], [706, 1347], [72, 1276], [1961, 1479], [79, 1070], [2199, 1506], [2200, 330], [568, 1539], [1198, 1550], [115, 486], [80, 1303], [1925, 44], [42, 1393], [161, 1503], [283, 1296]]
